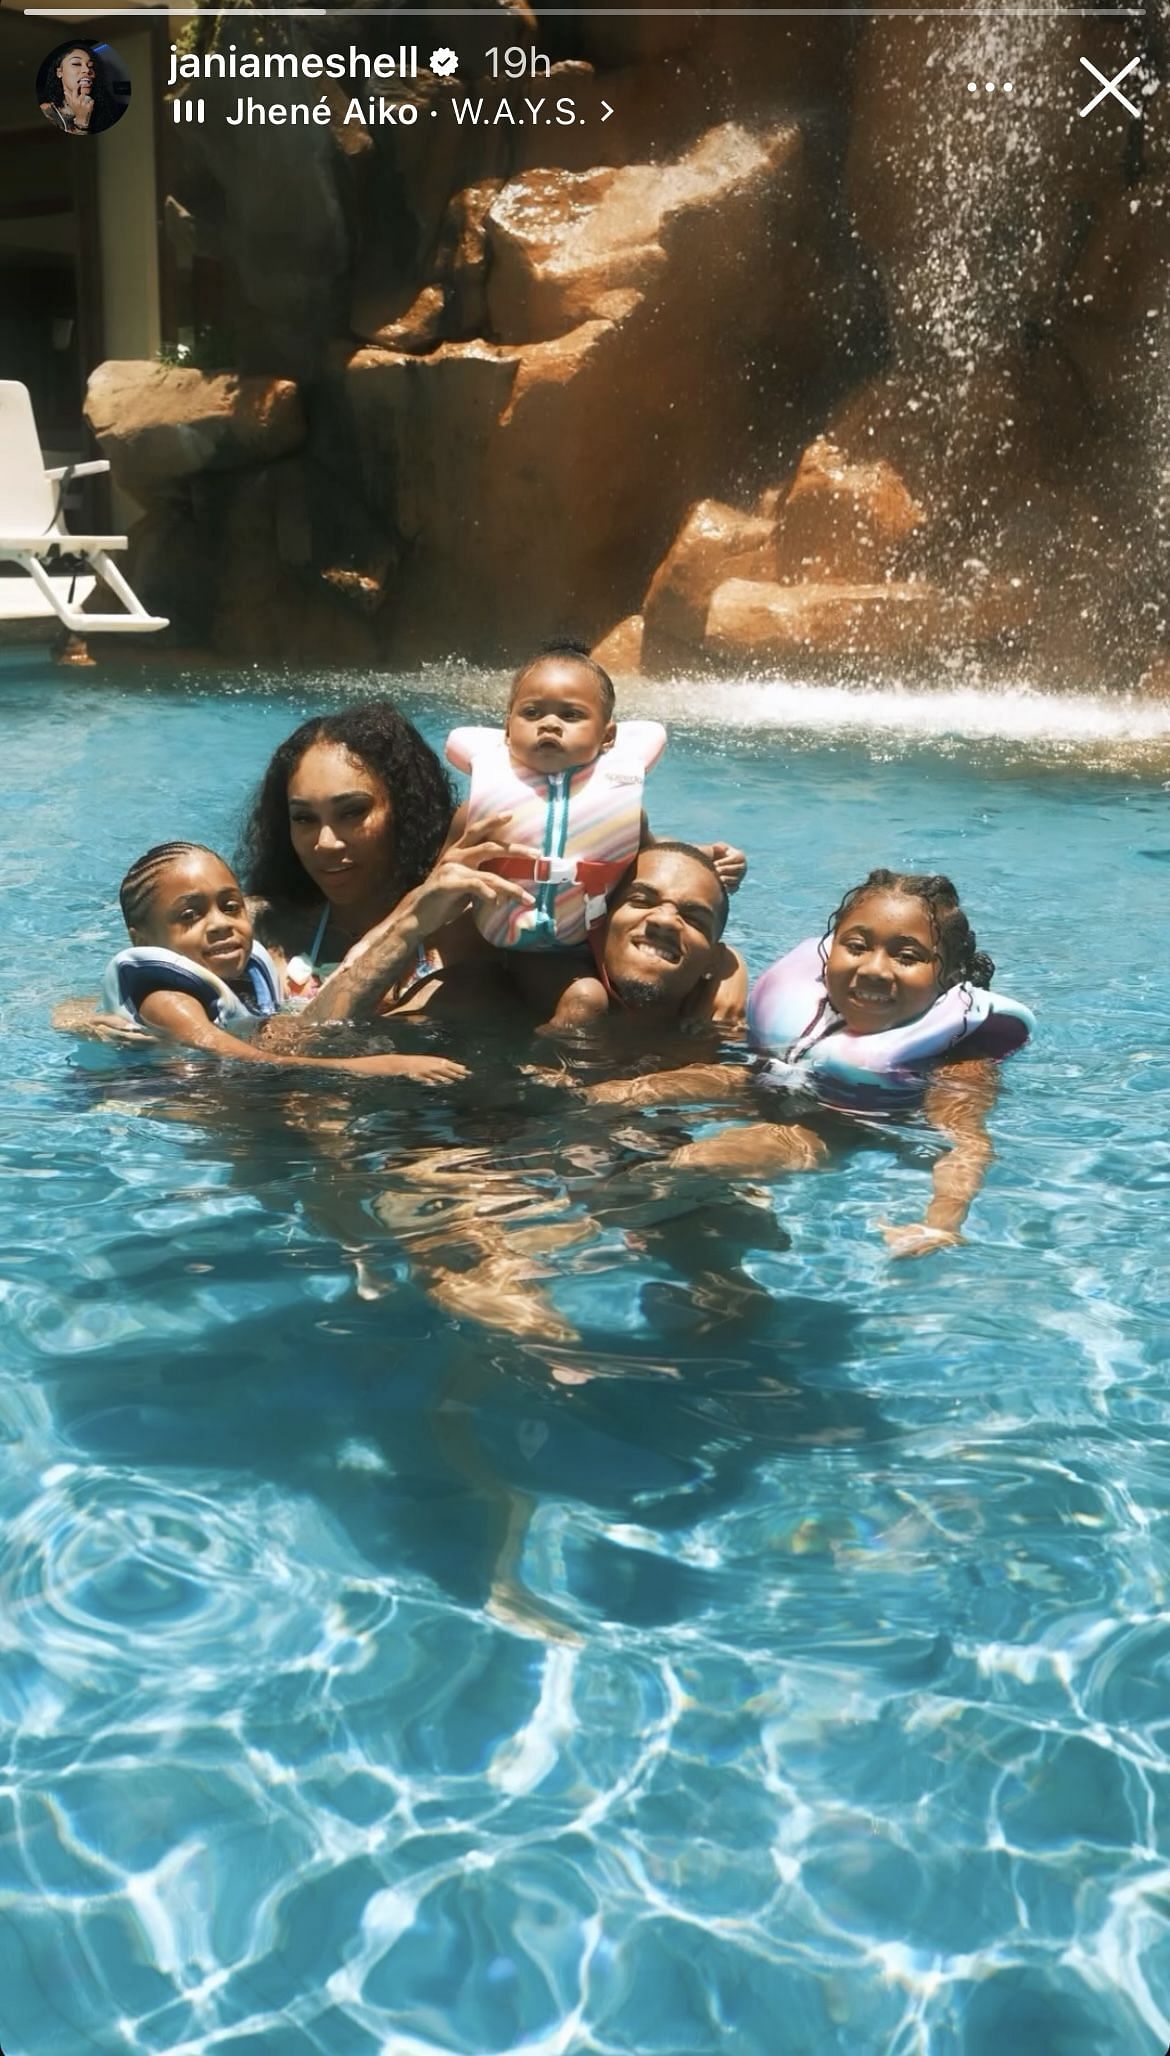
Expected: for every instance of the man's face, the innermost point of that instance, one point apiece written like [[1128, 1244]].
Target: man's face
[[663, 933]]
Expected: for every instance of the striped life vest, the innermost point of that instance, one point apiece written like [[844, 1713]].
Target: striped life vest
[[586, 823], [810, 1050]]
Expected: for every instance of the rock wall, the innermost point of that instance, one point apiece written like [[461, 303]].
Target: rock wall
[[800, 356]]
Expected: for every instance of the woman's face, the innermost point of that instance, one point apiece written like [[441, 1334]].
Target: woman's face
[[75, 72], [882, 968], [341, 823]]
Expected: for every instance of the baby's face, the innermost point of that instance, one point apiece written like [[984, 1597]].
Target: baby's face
[[199, 911], [557, 720]]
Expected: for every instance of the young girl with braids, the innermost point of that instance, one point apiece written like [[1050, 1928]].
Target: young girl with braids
[[195, 974], [891, 1010]]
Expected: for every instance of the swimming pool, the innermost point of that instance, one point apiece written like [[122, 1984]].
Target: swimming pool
[[798, 1681]]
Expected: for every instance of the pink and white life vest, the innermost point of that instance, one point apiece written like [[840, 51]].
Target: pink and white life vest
[[811, 1051], [586, 823]]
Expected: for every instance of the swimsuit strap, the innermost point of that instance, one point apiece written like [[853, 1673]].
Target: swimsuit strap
[[319, 937], [425, 967]]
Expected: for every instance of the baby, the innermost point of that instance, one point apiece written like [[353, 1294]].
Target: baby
[[196, 974], [571, 780]]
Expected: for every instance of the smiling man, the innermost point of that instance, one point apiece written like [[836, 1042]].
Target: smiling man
[[663, 960]]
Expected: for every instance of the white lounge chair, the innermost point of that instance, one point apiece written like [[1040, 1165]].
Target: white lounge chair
[[32, 526]]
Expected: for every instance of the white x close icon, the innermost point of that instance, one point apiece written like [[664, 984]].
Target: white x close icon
[[1110, 86]]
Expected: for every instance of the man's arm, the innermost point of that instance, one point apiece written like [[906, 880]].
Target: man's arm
[[694, 1085], [722, 996]]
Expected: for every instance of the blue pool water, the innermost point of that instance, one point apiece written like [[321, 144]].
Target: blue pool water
[[781, 1665]]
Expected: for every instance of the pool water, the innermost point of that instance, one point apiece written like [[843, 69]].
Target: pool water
[[778, 1662]]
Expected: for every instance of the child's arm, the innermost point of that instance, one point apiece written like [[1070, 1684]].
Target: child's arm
[[455, 832], [581, 1005], [721, 998], [180, 1017], [958, 1100], [84, 1018], [730, 862]]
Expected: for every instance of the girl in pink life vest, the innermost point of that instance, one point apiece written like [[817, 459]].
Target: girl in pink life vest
[[571, 780], [892, 1010]]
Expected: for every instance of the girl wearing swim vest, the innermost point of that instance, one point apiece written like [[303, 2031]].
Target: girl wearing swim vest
[[196, 975], [570, 780], [890, 1011]]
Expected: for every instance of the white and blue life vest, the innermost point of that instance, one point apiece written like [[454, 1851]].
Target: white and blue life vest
[[135, 973], [810, 1051]]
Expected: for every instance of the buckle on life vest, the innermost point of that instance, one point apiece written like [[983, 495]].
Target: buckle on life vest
[[594, 875], [555, 870]]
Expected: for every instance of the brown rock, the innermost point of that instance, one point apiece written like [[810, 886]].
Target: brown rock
[[268, 602], [387, 309], [622, 37], [641, 113], [173, 561], [412, 183], [757, 66], [538, 483], [161, 423], [988, 457], [1113, 322], [421, 327], [843, 519], [769, 623], [280, 228], [463, 257], [362, 589], [715, 543], [73, 652], [566, 247], [620, 652]]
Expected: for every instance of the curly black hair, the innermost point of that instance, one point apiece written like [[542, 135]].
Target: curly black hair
[[959, 960], [573, 652], [107, 108], [422, 802]]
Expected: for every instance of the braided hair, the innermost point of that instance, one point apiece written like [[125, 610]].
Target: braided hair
[[377, 736], [958, 959], [572, 653], [137, 890]]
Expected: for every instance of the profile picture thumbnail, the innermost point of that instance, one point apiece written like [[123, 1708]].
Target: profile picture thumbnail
[[83, 88]]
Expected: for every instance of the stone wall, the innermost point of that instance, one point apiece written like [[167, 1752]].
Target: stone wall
[[801, 356]]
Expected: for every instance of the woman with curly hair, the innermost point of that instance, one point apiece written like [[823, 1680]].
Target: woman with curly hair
[[351, 815], [74, 90]]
